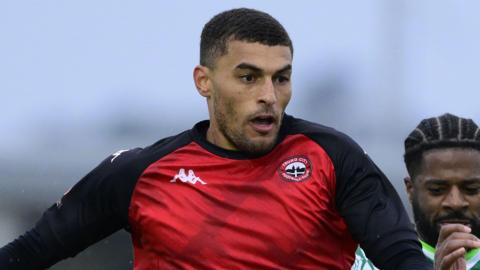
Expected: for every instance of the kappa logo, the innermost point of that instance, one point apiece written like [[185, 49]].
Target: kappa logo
[[187, 178], [295, 169], [116, 154]]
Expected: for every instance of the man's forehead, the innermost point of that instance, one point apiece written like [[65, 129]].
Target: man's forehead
[[455, 156], [450, 164], [256, 54]]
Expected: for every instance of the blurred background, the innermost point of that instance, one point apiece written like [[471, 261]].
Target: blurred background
[[80, 80]]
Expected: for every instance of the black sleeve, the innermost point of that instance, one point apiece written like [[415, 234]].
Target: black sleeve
[[94, 208], [373, 210], [367, 201]]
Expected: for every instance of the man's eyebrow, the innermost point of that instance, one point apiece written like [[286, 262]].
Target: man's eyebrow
[[248, 66], [287, 67], [435, 181], [469, 181]]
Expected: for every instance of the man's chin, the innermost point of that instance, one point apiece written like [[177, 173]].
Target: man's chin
[[258, 146]]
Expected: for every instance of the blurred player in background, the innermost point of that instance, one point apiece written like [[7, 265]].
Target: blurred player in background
[[250, 188], [442, 156]]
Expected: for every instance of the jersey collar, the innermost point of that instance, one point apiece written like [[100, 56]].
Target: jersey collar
[[199, 135]]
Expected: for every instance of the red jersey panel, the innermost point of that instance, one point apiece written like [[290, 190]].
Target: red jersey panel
[[195, 210]]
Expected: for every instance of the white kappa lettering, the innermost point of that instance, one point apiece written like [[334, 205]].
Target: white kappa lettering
[[190, 178]]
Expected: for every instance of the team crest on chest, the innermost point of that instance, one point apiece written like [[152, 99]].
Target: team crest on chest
[[295, 169]]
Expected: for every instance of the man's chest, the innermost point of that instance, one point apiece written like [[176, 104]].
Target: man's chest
[[192, 202]]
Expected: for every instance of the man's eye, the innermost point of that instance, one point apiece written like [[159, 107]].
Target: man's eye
[[472, 190], [248, 78], [282, 79], [435, 191]]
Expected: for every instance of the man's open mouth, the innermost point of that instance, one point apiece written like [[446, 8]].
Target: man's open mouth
[[263, 123]]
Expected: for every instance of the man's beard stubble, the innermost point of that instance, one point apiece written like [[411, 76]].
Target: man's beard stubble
[[237, 137], [429, 232]]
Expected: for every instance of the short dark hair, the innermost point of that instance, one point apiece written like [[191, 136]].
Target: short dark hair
[[443, 131], [241, 24]]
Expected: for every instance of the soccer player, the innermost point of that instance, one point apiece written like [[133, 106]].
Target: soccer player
[[442, 156], [250, 188]]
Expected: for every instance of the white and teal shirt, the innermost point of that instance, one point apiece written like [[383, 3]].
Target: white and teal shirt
[[363, 263], [472, 257]]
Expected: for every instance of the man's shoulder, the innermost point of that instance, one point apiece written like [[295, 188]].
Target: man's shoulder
[[140, 157], [169, 143], [299, 125], [329, 138]]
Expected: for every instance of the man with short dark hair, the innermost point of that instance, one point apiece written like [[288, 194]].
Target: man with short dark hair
[[250, 188], [442, 156]]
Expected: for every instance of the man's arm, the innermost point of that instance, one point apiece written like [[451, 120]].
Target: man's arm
[[94, 208], [374, 213], [369, 204]]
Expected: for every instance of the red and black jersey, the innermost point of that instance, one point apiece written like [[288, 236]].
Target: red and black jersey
[[192, 205]]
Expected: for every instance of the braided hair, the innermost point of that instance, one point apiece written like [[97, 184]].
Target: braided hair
[[443, 131], [242, 24]]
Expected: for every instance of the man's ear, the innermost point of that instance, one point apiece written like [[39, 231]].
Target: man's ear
[[202, 80], [409, 187]]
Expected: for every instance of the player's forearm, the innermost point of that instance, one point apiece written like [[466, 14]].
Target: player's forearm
[[21, 255]]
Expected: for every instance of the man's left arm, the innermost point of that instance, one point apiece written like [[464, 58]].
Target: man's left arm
[[374, 212]]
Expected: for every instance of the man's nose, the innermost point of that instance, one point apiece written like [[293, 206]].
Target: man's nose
[[268, 93], [455, 199]]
